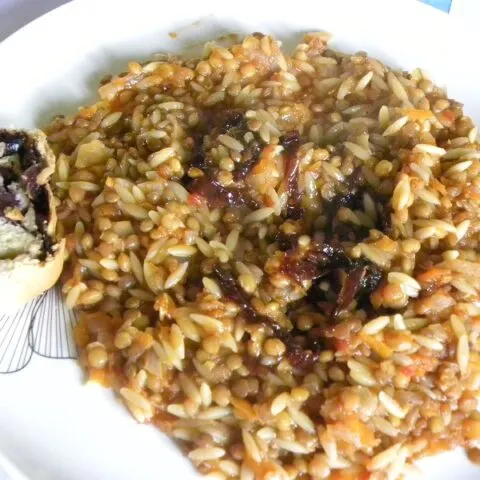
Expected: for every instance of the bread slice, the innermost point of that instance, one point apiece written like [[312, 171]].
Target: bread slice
[[31, 259]]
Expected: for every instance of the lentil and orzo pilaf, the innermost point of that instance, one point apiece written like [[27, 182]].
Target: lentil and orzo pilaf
[[276, 258]]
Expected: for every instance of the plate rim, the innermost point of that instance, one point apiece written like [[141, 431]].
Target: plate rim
[[67, 10]]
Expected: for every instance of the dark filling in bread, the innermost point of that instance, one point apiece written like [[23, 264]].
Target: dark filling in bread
[[22, 175], [326, 261]]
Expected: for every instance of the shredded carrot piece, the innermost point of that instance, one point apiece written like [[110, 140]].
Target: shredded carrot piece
[[364, 433], [81, 334], [471, 429], [196, 200], [135, 68], [408, 371], [449, 115], [341, 345], [474, 360], [266, 469], [97, 375], [87, 112], [476, 322], [377, 346], [423, 364], [243, 409], [145, 340], [433, 275], [349, 475], [438, 446], [417, 115], [436, 185]]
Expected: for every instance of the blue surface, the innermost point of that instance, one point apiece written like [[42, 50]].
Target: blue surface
[[443, 5]]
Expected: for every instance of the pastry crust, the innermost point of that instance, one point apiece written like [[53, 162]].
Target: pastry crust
[[24, 277]]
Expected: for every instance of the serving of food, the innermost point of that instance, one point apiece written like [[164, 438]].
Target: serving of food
[[274, 257], [30, 258]]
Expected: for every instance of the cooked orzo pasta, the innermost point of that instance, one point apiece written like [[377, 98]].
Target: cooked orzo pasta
[[275, 258]]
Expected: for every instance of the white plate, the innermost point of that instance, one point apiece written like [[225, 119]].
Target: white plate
[[51, 427]]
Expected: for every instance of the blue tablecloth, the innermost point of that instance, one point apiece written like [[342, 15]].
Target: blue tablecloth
[[444, 5]]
